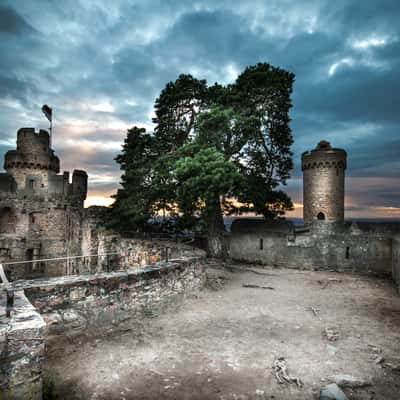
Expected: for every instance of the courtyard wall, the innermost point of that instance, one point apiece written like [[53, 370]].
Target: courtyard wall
[[98, 304], [356, 247], [49, 311]]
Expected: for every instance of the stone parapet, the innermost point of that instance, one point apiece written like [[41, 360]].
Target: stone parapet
[[89, 305], [21, 350], [92, 305]]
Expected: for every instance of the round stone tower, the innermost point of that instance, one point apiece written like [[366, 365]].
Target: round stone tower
[[33, 160], [323, 183]]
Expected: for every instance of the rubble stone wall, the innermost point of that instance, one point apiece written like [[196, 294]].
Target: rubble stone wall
[[21, 350], [106, 302], [60, 309], [125, 253]]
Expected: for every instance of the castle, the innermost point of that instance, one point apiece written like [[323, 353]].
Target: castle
[[41, 211], [42, 216]]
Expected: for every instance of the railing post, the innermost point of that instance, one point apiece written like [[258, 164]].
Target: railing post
[[9, 292]]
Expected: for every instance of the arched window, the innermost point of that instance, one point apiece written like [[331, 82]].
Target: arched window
[[321, 216], [7, 220]]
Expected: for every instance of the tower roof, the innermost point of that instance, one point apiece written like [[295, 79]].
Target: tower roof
[[323, 145]]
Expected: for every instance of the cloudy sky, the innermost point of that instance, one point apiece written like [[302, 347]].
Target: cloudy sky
[[100, 64]]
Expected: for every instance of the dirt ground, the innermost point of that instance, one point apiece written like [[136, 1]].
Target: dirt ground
[[223, 343]]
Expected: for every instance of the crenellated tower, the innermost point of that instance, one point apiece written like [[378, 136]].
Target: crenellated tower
[[41, 210], [33, 161], [323, 183]]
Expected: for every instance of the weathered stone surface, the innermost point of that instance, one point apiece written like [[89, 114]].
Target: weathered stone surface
[[353, 247], [41, 211], [21, 351], [83, 305], [91, 304], [346, 380], [323, 183]]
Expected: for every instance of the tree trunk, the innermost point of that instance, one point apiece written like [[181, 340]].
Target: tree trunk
[[216, 241]]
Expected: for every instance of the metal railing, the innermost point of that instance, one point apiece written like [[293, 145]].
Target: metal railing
[[165, 253], [9, 291]]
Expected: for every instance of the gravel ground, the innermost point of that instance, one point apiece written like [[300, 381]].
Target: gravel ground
[[223, 343]]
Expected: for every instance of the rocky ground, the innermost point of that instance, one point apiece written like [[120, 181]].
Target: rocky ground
[[241, 336]]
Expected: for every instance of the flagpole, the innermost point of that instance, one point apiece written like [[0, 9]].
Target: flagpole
[[48, 112], [51, 128]]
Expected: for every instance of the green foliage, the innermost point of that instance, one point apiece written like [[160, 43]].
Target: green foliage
[[211, 145], [134, 201], [264, 92], [203, 175], [176, 111]]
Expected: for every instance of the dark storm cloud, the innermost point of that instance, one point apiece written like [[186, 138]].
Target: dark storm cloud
[[102, 64], [12, 23]]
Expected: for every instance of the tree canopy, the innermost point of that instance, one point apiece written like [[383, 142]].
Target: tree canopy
[[215, 149]]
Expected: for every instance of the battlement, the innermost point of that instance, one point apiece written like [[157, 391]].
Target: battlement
[[28, 136], [33, 152], [32, 171], [324, 156], [79, 183]]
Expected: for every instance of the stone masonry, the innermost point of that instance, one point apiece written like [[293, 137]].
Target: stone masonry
[[21, 351], [323, 183], [41, 210], [94, 305], [326, 241]]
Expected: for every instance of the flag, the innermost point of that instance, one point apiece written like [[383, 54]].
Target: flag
[[47, 111]]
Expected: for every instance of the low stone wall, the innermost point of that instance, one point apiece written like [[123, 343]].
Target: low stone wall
[[83, 305], [129, 252], [21, 350], [98, 304], [396, 261]]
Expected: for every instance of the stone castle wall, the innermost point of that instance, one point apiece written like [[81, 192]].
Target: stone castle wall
[[352, 247], [21, 351], [41, 230], [99, 304], [125, 253], [90, 305]]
